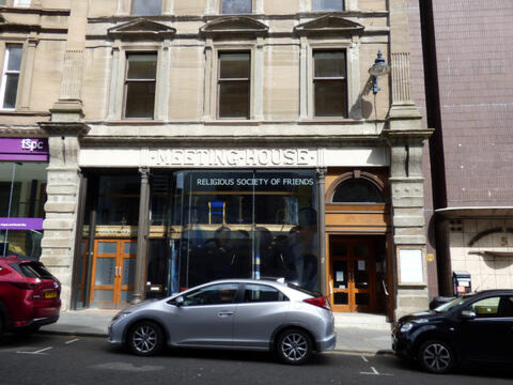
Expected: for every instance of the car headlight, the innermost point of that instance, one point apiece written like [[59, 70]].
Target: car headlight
[[405, 328], [121, 314]]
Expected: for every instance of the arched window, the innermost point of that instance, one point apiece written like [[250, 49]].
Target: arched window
[[358, 187]]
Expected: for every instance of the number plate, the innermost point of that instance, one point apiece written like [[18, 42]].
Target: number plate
[[51, 294]]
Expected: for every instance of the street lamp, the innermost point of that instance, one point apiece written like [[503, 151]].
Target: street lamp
[[379, 68]]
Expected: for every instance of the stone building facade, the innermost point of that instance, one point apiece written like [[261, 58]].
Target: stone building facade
[[195, 140]]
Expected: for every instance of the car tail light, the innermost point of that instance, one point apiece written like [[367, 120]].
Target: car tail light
[[319, 302], [26, 285]]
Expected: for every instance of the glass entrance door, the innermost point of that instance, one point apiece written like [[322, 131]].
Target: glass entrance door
[[352, 274], [113, 273]]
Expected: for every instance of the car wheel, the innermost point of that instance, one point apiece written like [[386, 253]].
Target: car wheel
[[146, 338], [436, 357], [294, 347]]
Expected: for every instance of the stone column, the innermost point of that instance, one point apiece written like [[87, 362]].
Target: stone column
[[321, 226], [142, 237]]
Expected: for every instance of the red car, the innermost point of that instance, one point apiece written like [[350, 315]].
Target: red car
[[29, 295]]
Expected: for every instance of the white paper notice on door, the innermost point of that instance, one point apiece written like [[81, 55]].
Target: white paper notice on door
[[411, 266]]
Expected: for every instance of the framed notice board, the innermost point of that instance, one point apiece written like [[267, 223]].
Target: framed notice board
[[411, 268]]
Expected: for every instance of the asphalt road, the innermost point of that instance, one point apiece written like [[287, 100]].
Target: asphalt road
[[54, 360]]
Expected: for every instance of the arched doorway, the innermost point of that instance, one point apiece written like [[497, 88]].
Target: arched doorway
[[359, 274]]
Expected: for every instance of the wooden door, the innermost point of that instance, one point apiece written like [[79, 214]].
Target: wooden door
[[113, 272], [352, 275]]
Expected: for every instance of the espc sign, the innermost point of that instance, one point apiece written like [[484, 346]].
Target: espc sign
[[32, 144]]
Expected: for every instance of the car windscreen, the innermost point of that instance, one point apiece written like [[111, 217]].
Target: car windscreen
[[34, 270]]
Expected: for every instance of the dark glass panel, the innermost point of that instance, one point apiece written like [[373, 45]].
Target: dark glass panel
[[340, 274], [340, 299], [236, 7], [11, 90], [15, 52], [359, 191], [147, 7], [330, 98], [234, 65], [327, 5], [140, 100], [330, 64], [142, 66], [362, 299], [234, 100]]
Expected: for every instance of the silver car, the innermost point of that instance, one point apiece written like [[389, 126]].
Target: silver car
[[231, 314]]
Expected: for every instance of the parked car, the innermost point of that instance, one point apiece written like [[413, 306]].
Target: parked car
[[29, 295], [231, 314], [472, 329]]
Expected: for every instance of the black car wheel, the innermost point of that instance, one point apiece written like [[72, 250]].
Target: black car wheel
[[146, 338], [436, 357], [294, 346]]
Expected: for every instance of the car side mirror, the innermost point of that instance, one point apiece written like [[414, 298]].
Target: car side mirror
[[179, 301], [468, 314]]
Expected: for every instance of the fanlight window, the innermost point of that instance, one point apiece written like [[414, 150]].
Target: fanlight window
[[357, 191]]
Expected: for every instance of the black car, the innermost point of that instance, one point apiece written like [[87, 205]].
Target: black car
[[473, 329]]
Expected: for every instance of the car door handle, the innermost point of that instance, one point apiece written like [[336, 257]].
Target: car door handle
[[224, 314]]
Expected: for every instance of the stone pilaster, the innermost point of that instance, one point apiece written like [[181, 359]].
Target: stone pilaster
[[58, 244]]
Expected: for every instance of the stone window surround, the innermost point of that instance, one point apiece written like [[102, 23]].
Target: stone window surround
[[26, 67], [307, 78], [212, 51], [119, 63]]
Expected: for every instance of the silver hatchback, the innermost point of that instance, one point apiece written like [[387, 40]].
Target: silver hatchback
[[231, 314]]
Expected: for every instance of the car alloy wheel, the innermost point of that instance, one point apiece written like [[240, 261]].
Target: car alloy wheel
[[436, 357], [146, 338], [294, 346]]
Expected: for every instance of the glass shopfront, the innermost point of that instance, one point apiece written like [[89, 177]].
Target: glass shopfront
[[206, 225], [23, 163], [227, 224]]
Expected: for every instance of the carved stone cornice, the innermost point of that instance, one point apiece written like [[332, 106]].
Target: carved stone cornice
[[65, 128], [141, 29], [234, 26], [329, 25]]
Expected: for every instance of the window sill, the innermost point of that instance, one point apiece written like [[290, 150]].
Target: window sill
[[309, 121], [232, 122]]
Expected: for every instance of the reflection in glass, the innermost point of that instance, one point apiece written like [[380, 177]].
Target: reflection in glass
[[341, 299], [361, 274], [236, 224], [128, 271], [362, 299], [107, 247], [327, 5], [105, 271]]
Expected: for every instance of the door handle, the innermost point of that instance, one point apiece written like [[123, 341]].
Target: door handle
[[224, 314]]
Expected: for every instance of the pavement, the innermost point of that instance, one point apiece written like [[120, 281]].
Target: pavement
[[356, 332]]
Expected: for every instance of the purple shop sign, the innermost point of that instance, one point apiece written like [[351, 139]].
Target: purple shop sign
[[21, 223], [24, 149]]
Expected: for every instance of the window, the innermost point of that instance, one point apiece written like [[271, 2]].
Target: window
[[141, 74], [11, 75], [493, 307], [15, 3], [212, 295], [330, 84], [261, 293], [146, 7], [357, 190], [327, 5], [234, 85], [238, 7]]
